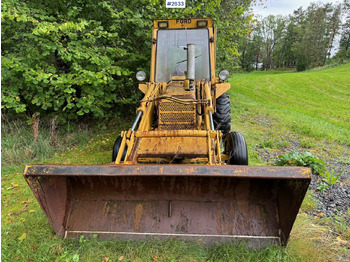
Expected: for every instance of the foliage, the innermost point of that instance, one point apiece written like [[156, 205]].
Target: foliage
[[301, 64], [270, 143], [322, 187], [317, 166], [330, 177], [310, 202], [302, 40], [78, 58], [233, 23], [66, 60], [272, 28], [344, 43], [18, 146], [302, 159]]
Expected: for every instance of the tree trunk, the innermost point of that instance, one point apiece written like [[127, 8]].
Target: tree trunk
[[257, 60], [53, 131], [35, 126]]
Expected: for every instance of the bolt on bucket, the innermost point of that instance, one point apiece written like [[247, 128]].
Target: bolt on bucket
[[257, 205]]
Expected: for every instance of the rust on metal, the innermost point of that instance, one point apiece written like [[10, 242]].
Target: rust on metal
[[214, 203], [264, 172], [175, 133], [138, 216], [172, 146]]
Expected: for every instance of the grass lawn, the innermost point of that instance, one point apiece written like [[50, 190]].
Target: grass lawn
[[312, 107], [276, 111]]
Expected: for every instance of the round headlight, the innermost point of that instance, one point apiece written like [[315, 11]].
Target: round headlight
[[140, 75], [223, 75]]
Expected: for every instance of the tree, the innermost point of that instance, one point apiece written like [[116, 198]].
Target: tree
[[344, 43], [315, 32], [334, 23], [251, 49], [284, 55], [272, 29]]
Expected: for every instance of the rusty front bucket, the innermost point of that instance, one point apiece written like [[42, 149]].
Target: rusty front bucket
[[213, 203]]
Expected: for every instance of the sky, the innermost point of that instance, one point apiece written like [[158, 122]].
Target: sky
[[284, 7]]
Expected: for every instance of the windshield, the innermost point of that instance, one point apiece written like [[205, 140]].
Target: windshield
[[172, 56]]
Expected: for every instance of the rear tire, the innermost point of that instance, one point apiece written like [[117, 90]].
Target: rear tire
[[116, 147], [222, 116], [236, 148]]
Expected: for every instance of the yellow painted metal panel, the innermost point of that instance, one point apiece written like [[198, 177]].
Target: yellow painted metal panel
[[143, 88], [183, 23], [173, 147], [176, 133], [222, 88]]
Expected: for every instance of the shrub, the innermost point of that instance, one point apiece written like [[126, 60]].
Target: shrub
[[302, 159]]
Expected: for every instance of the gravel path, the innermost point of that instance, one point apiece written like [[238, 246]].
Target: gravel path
[[336, 200]]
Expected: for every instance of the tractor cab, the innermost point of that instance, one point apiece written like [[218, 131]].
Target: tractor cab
[[171, 54], [170, 49]]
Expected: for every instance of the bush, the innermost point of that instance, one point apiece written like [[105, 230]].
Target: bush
[[305, 159], [301, 65]]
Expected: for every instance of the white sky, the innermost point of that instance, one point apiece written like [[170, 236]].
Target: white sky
[[284, 7]]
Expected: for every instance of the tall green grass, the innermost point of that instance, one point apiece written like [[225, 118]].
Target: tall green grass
[[18, 145]]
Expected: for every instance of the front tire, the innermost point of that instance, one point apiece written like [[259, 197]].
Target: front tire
[[236, 148], [116, 148], [222, 116]]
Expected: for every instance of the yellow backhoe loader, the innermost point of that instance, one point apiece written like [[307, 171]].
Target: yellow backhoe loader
[[178, 172]]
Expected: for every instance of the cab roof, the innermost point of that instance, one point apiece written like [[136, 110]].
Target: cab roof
[[183, 23]]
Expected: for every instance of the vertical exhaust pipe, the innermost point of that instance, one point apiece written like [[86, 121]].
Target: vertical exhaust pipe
[[191, 56]]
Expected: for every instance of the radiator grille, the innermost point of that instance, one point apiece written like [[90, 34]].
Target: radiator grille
[[171, 106], [176, 116]]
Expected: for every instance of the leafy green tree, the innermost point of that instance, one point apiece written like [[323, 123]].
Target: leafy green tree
[[333, 26], [68, 60], [251, 49], [233, 23], [314, 35], [284, 56], [272, 28], [344, 43]]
